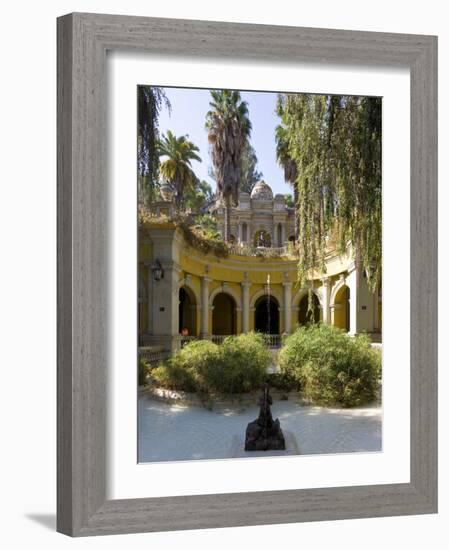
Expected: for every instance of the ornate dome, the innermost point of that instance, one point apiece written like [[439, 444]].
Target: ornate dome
[[262, 191]]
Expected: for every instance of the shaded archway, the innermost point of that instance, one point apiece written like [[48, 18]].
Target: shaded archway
[[308, 316], [187, 312], [279, 235], [244, 232], [262, 238], [223, 314], [341, 310], [266, 315]]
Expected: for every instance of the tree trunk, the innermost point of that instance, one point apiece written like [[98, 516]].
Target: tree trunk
[[178, 196], [227, 220]]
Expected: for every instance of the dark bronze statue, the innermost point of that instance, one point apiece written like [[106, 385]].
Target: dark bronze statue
[[264, 433]]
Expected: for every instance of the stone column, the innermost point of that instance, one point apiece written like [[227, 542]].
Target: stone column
[[283, 234], [287, 307], [326, 299], [377, 300], [165, 306], [245, 305], [205, 306], [353, 283], [240, 233]]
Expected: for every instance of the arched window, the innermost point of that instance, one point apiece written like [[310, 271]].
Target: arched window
[[279, 235], [262, 238]]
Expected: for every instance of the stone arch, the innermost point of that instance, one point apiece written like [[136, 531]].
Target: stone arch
[[186, 282], [224, 314], [266, 314], [305, 315], [340, 306], [262, 292], [227, 290], [335, 289], [304, 292], [187, 311], [244, 232], [262, 237]]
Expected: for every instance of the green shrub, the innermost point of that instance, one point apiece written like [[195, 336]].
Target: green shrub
[[281, 381], [143, 372], [172, 376], [246, 359], [238, 365], [330, 367]]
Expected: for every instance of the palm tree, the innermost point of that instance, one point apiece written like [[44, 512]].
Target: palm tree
[[229, 129], [151, 99], [286, 161], [175, 166]]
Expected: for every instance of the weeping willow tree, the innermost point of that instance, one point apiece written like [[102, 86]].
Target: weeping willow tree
[[285, 160], [150, 100], [335, 143]]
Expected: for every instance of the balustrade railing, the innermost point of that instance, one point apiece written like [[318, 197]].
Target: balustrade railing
[[273, 340], [244, 249], [218, 338], [152, 355], [186, 339], [155, 354]]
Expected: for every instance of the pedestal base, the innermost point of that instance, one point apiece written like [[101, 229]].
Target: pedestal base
[[260, 439], [238, 448]]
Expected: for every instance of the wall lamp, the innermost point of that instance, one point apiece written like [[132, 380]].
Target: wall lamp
[[158, 272]]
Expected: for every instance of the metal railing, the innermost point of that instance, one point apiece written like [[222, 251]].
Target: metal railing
[[186, 339], [273, 340], [218, 338], [153, 355], [244, 249]]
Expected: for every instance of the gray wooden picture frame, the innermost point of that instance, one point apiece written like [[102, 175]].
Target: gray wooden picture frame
[[83, 40]]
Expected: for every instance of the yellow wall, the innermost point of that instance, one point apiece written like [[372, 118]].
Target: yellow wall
[[340, 313], [228, 274]]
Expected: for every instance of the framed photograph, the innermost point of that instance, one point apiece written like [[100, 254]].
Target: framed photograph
[[247, 274]]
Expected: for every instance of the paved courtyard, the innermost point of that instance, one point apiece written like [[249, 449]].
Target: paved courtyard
[[179, 432]]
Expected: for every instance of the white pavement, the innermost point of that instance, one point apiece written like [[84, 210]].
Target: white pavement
[[177, 432]]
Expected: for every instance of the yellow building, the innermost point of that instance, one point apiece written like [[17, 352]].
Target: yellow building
[[183, 291]]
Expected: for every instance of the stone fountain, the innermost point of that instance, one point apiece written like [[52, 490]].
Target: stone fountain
[[264, 433]]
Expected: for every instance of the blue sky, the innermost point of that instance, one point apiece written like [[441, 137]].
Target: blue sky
[[188, 115]]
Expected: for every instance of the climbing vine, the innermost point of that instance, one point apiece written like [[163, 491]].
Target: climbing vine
[[335, 142]]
